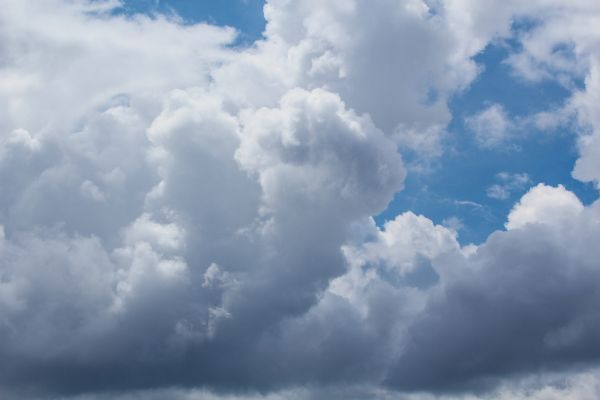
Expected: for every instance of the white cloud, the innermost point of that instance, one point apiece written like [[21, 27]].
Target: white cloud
[[344, 47], [402, 241], [312, 150], [545, 204]]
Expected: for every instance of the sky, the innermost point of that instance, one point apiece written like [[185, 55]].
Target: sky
[[308, 199]]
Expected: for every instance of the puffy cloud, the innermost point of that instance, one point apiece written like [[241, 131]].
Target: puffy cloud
[[403, 242], [523, 302], [177, 212], [545, 205], [398, 62], [436, 317], [62, 62], [311, 150], [154, 185]]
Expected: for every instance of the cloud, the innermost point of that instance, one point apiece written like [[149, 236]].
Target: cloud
[[491, 126], [508, 183], [546, 205], [454, 223], [352, 57], [586, 168], [576, 386], [189, 219], [492, 316]]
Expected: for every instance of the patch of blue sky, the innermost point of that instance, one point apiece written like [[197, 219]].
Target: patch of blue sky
[[246, 16], [457, 187]]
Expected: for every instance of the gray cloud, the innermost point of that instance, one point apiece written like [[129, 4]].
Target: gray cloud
[[181, 218]]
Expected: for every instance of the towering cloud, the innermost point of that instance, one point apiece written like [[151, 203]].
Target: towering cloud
[[182, 217]]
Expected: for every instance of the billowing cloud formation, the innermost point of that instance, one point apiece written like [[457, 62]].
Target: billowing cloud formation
[[526, 302], [184, 218]]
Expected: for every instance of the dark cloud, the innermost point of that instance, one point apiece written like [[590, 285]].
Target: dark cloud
[[527, 303]]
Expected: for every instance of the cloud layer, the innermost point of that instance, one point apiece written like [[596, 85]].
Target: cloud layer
[[184, 218]]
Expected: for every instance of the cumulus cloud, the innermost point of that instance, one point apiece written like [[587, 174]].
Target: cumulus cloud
[[493, 318], [546, 205], [398, 62], [183, 218]]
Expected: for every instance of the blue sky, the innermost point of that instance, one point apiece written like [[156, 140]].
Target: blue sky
[[245, 15]]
